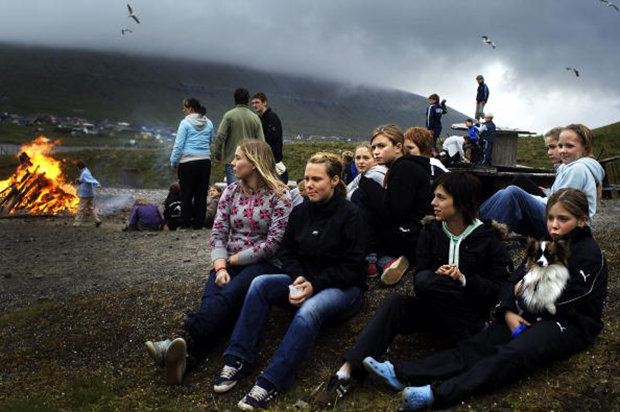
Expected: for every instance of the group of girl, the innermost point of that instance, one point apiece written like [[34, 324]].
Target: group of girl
[[313, 259]]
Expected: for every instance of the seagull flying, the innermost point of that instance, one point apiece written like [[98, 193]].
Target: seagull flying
[[123, 31], [573, 70], [486, 40], [610, 4], [131, 15]]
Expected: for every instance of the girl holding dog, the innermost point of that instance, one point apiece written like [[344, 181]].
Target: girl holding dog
[[525, 213], [506, 350]]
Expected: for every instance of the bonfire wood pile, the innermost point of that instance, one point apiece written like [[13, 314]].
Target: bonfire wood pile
[[37, 186]]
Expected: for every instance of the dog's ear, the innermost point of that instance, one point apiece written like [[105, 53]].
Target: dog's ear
[[532, 247], [562, 250]]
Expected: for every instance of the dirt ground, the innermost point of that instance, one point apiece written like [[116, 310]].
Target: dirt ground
[[77, 304]]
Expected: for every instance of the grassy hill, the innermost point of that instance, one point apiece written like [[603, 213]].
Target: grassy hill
[[142, 89]]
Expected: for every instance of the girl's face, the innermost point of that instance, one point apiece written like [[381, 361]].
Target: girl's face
[[242, 167], [553, 152], [560, 221], [213, 192], [570, 146], [319, 186], [363, 160], [384, 151], [443, 205], [412, 148]]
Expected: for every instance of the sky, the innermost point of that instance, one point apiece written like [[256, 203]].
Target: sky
[[419, 46]]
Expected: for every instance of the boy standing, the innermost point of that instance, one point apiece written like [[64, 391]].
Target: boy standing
[[482, 96], [86, 193], [475, 154], [487, 134], [433, 117]]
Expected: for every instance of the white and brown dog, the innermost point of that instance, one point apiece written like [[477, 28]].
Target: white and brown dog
[[546, 277]]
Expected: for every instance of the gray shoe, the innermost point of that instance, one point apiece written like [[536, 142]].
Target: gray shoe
[[157, 351], [175, 359], [393, 273]]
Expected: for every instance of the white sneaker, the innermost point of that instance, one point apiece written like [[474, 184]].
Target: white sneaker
[[175, 359], [157, 351], [393, 273]]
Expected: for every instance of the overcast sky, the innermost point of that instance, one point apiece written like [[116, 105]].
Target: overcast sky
[[420, 46]]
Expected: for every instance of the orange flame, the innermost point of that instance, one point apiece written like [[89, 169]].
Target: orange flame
[[38, 186]]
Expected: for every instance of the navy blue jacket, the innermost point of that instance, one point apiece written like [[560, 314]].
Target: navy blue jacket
[[487, 131], [272, 129], [483, 93], [433, 115]]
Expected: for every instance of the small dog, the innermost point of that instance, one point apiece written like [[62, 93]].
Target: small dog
[[546, 277]]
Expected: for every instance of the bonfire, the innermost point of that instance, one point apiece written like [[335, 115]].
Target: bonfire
[[38, 186]]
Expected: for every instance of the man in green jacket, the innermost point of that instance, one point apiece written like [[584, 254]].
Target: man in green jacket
[[237, 124]]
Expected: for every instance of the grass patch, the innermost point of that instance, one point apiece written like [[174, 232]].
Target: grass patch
[[28, 404], [23, 316]]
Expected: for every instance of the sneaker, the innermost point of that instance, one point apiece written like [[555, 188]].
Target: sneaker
[[336, 389], [394, 271], [232, 373], [384, 371], [416, 397], [175, 358], [372, 270], [257, 398], [98, 223], [157, 351]]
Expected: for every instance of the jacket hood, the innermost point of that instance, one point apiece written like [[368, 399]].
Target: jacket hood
[[499, 228], [593, 166], [197, 121], [376, 171]]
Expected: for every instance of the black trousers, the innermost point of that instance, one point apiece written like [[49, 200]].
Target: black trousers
[[194, 181], [440, 307], [491, 359]]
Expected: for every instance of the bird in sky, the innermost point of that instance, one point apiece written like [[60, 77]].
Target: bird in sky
[[610, 4], [123, 31], [131, 15], [486, 40], [573, 70]]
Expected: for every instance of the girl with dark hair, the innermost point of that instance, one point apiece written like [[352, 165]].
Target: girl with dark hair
[[524, 336], [397, 208], [251, 218], [461, 263], [323, 279], [191, 156], [525, 213]]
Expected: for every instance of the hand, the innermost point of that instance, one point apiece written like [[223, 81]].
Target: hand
[[174, 168], [233, 260], [451, 271], [518, 286], [222, 278], [543, 189], [306, 291], [513, 320]]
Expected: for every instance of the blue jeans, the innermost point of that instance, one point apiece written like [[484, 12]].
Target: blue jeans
[[329, 305], [220, 306], [488, 153], [522, 212], [230, 174]]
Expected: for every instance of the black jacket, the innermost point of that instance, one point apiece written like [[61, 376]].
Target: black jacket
[[172, 211], [272, 128], [582, 300], [482, 93], [326, 244], [483, 259], [399, 208]]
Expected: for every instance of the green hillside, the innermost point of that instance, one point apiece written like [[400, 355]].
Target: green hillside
[[141, 89]]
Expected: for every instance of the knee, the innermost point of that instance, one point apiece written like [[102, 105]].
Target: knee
[[423, 281], [259, 285], [309, 315]]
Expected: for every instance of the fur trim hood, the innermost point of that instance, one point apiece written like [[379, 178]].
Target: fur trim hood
[[500, 229]]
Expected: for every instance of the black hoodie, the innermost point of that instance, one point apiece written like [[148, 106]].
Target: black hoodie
[[399, 208], [582, 300], [326, 243]]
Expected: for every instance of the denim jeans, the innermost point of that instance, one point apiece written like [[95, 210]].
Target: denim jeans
[[488, 153], [220, 306], [230, 174], [522, 212], [329, 305]]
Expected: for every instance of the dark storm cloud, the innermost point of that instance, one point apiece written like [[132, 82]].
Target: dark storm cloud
[[419, 46]]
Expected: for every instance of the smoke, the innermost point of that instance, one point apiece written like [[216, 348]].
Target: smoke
[[109, 203]]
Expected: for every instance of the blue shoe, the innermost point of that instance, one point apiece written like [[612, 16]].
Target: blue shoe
[[384, 371], [234, 370], [416, 398], [157, 350]]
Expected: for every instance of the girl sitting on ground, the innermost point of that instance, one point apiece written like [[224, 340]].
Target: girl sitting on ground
[[461, 264], [215, 192], [172, 207], [525, 213], [251, 218], [323, 280], [522, 338], [144, 216], [396, 208]]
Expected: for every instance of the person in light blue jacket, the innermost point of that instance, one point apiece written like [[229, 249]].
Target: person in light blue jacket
[[525, 213], [86, 193], [191, 156]]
